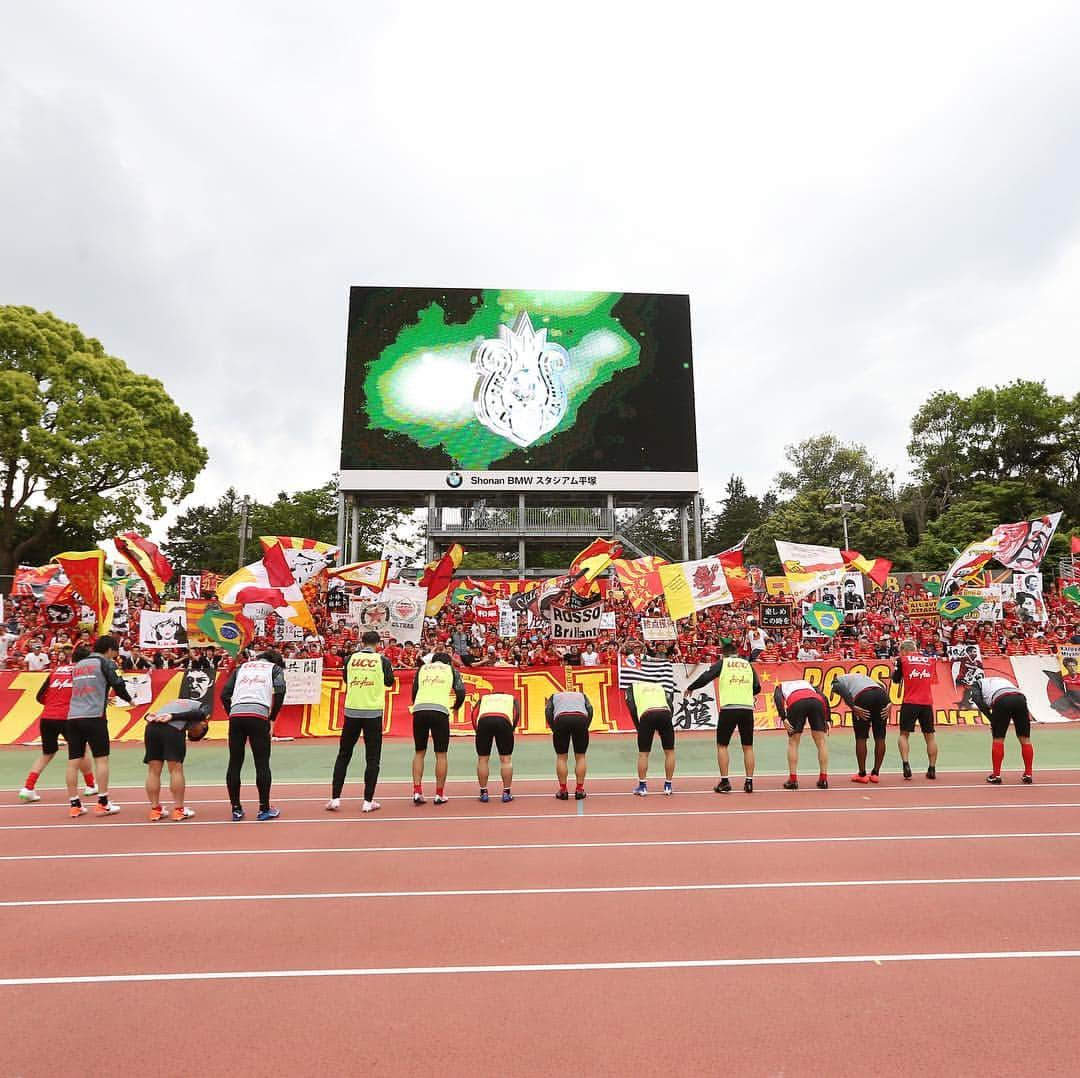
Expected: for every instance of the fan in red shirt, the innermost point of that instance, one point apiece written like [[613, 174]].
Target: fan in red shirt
[[915, 673], [55, 696]]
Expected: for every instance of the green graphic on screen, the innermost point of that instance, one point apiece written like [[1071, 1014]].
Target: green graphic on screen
[[423, 385]]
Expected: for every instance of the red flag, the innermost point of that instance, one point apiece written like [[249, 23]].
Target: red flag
[[590, 563], [640, 580], [1076, 544], [877, 569], [86, 571], [735, 573], [735, 551], [437, 577], [148, 562]]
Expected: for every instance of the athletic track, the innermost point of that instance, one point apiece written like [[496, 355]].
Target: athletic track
[[909, 928]]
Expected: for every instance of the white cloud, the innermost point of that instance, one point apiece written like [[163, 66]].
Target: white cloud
[[865, 204]]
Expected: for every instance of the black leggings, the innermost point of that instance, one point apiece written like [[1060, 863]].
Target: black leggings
[[242, 729], [350, 734]]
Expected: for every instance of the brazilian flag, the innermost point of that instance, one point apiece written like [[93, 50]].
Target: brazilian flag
[[230, 631], [826, 619], [1072, 593], [957, 606]]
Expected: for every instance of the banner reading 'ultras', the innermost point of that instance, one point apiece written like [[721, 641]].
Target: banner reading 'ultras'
[[1051, 696], [477, 389]]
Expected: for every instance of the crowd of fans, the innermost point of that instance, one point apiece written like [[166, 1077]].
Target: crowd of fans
[[28, 641]]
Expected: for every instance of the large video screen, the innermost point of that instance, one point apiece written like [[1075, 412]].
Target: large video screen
[[474, 388]]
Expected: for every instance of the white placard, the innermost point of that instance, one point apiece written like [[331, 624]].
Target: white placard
[[138, 687], [607, 621], [287, 632], [508, 619], [657, 629], [303, 681], [581, 623], [160, 629], [190, 587]]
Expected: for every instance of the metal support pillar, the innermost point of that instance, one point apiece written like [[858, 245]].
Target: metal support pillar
[[684, 532], [341, 513], [354, 530], [430, 519], [697, 526]]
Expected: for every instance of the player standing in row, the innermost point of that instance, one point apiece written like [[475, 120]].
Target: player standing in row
[[367, 676], [568, 715], [799, 703], [165, 738], [915, 673], [652, 710], [737, 685], [1002, 702], [437, 690], [253, 695], [55, 698], [495, 718], [869, 703], [87, 723]]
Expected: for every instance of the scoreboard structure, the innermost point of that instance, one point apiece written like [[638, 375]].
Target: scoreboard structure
[[518, 415]]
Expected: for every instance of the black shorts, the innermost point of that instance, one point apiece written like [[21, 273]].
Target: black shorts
[[806, 711], [432, 723], [651, 724], [82, 732], [731, 717], [51, 732], [164, 742], [567, 728], [495, 728], [923, 714], [1012, 708], [876, 701]]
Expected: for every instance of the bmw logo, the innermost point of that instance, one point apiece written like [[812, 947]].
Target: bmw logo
[[454, 480]]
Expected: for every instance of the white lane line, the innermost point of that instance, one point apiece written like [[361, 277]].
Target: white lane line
[[433, 816], [503, 892], [593, 794], [467, 848], [548, 967]]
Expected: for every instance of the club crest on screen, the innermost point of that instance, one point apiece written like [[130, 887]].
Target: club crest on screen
[[520, 394]]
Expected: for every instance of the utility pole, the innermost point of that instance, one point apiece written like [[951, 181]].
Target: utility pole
[[843, 506], [244, 531]]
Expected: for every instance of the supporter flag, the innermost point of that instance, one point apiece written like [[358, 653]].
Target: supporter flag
[[266, 583], [877, 569], [1075, 546], [229, 629], [193, 611], [372, 574], [45, 585], [640, 580], [590, 563], [808, 568], [1072, 593], [148, 562], [958, 606], [690, 586], [967, 567], [85, 571], [823, 617], [490, 589], [1022, 546], [437, 577], [305, 557], [737, 578]]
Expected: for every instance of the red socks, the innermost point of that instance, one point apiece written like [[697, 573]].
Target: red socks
[[579, 787], [88, 778], [823, 777], [1028, 753], [31, 779], [997, 754], [438, 791], [417, 788], [792, 777], [562, 787]]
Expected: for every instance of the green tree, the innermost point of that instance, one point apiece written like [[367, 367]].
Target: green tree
[[740, 512], [207, 536], [823, 462], [98, 445]]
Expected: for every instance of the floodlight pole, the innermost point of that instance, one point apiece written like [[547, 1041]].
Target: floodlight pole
[[843, 506]]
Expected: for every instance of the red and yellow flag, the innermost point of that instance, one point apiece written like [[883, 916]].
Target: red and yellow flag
[[437, 577], [85, 570], [640, 580], [877, 569], [147, 561], [590, 563]]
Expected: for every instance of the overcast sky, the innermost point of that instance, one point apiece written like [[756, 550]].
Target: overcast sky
[[866, 204]]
